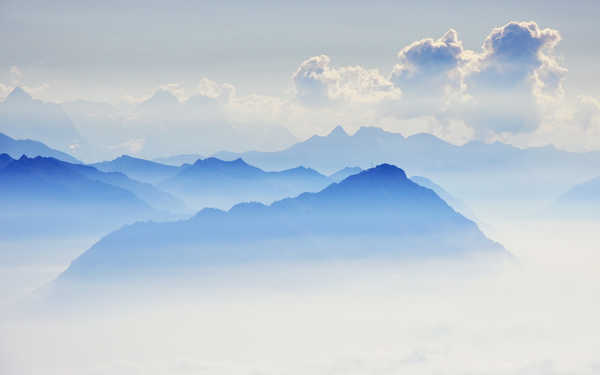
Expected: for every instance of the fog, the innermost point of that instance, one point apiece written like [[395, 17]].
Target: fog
[[536, 315]]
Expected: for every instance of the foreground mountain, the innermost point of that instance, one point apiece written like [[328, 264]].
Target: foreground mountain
[[581, 201], [15, 148], [452, 201], [213, 182], [46, 196], [377, 213], [139, 169], [488, 174]]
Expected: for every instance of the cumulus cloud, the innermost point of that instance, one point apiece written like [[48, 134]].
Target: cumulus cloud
[[318, 83], [517, 51], [16, 75], [212, 89], [514, 75], [498, 91], [4, 91], [430, 64]]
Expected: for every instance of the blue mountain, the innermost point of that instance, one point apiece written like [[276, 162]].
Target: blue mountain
[[487, 174], [47, 196], [376, 213], [213, 182], [23, 117], [581, 201], [343, 173], [16, 148], [455, 203], [139, 169], [179, 160]]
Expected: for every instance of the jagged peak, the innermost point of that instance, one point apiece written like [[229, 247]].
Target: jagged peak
[[337, 131]]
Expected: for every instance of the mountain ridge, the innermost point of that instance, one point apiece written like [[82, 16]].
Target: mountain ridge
[[378, 212]]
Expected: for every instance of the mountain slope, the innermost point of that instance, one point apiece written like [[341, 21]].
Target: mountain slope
[[16, 148], [23, 117], [378, 212], [46, 196], [582, 200], [452, 201], [213, 182], [179, 160], [489, 174], [343, 173], [139, 169]]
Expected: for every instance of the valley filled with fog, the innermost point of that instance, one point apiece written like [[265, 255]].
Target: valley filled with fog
[[536, 315]]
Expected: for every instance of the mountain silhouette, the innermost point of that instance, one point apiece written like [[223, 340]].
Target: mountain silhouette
[[582, 200], [23, 117], [16, 148], [452, 201], [179, 160], [487, 174], [376, 213], [139, 169], [47, 196], [213, 182], [343, 173]]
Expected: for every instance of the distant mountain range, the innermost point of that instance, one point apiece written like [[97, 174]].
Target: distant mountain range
[[139, 169], [46, 196], [216, 183], [376, 213], [581, 201], [23, 117], [487, 173], [343, 173], [16, 148], [179, 160]]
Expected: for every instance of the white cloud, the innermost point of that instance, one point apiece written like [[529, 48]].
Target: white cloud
[[520, 51], [430, 64], [4, 91], [16, 75], [317, 83]]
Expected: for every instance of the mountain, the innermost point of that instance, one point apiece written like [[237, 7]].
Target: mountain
[[5, 159], [452, 201], [213, 182], [488, 174], [179, 160], [582, 201], [16, 148], [139, 169], [155, 197], [23, 117], [376, 213], [343, 173], [46, 196]]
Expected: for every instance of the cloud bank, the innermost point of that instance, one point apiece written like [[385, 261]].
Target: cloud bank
[[511, 89]]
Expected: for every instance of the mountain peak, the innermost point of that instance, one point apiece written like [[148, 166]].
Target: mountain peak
[[383, 171], [337, 132], [18, 95], [370, 130], [160, 98]]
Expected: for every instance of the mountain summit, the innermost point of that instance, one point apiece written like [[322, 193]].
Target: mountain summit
[[376, 213]]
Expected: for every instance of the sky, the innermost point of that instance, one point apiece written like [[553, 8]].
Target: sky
[[256, 58]]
